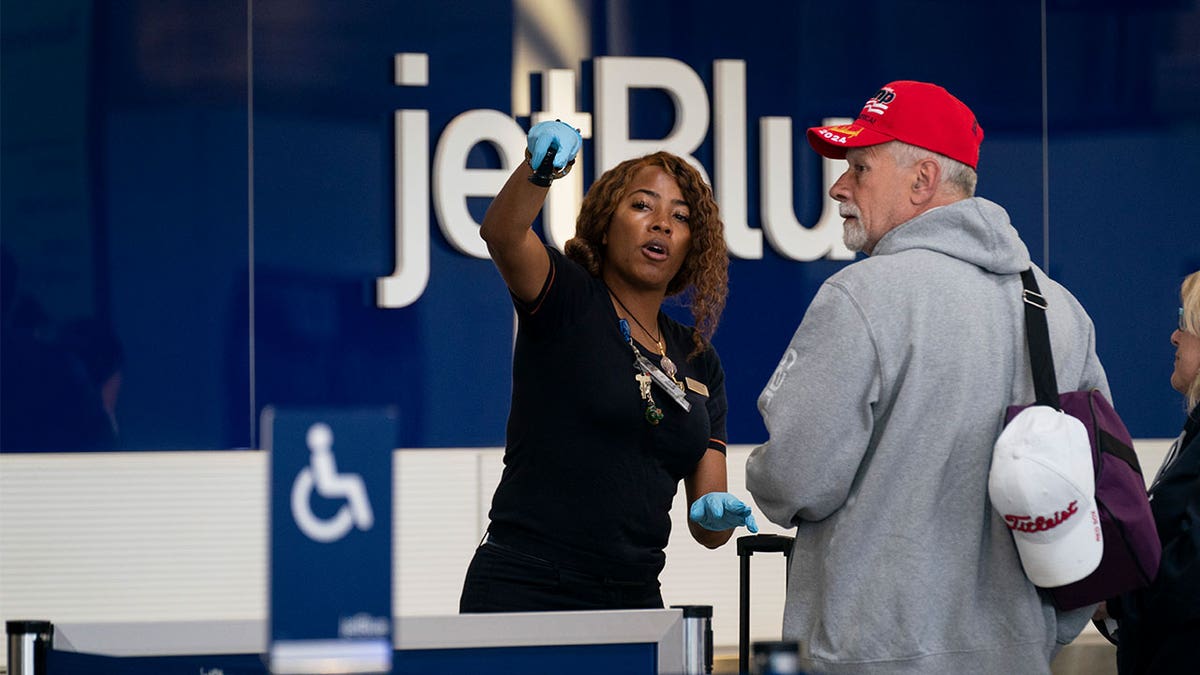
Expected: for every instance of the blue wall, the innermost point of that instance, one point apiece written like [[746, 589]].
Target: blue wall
[[215, 180]]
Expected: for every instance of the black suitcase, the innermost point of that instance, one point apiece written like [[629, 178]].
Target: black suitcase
[[747, 546]]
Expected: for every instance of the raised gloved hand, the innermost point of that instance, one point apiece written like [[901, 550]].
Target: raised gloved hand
[[561, 136], [721, 511]]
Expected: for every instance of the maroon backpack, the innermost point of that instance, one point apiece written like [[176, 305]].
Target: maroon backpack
[[1132, 549]]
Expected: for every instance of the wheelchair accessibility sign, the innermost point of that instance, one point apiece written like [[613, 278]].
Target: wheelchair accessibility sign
[[322, 475], [331, 539]]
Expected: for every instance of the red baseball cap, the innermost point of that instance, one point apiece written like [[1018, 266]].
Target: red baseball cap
[[917, 113]]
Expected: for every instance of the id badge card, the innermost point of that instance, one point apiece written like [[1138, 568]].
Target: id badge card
[[665, 383]]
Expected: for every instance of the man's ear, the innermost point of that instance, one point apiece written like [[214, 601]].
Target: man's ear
[[927, 175]]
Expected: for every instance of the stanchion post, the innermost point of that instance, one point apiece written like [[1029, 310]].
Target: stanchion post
[[28, 643], [697, 639]]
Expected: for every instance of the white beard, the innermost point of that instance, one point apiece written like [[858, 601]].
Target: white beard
[[854, 235]]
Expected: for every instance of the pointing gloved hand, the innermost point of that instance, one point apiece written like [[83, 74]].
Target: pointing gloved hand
[[561, 136], [721, 511]]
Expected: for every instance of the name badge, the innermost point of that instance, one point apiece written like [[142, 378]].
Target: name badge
[[695, 386], [665, 383]]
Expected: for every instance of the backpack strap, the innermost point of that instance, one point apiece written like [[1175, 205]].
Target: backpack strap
[[1037, 336]]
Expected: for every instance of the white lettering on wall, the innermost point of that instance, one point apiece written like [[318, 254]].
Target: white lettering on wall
[[787, 235], [453, 182], [615, 78], [411, 210], [729, 155]]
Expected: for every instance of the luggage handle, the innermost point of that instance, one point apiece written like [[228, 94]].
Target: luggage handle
[[750, 544], [747, 546]]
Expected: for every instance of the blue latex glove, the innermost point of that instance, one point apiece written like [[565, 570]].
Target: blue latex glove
[[721, 511], [561, 136]]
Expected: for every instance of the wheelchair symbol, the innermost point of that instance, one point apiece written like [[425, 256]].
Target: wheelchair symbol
[[322, 474]]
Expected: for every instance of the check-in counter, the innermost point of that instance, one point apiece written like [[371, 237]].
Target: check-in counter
[[634, 641]]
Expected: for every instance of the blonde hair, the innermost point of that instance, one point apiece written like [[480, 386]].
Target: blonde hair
[[1189, 296]]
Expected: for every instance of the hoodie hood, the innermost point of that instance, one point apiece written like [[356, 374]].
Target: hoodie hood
[[974, 230]]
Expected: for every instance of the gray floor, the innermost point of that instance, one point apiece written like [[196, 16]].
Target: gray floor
[[1087, 655]]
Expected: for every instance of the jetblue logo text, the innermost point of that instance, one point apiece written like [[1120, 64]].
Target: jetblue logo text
[[450, 183]]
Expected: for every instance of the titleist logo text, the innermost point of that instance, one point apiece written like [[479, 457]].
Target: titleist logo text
[[1041, 523]]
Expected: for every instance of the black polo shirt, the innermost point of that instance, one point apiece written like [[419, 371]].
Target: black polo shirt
[[588, 482]]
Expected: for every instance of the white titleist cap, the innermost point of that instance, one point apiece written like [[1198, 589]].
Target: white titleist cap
[[1043, 485]]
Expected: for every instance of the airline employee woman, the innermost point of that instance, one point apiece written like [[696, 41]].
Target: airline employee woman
[[613, 402]]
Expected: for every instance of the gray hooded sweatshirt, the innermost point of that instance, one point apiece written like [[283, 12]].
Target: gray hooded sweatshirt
[[881, 417]]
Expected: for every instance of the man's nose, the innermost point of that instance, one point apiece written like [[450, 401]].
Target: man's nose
[[838, 190]]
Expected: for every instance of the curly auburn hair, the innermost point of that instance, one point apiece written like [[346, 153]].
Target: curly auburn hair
[[704, 275]]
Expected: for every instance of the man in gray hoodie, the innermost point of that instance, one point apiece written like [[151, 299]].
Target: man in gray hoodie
[[884, 409]]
